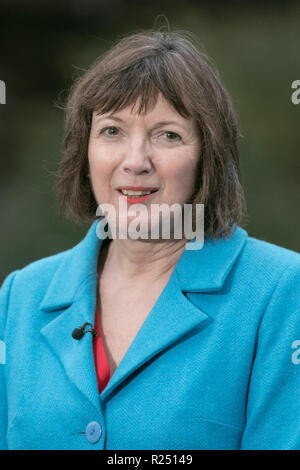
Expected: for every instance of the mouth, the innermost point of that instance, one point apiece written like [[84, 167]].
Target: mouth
[[136, 195]]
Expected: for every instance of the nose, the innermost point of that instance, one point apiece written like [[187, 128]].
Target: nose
[[137, 157]]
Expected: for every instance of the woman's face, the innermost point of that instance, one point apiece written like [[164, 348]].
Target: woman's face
[[154, 151]]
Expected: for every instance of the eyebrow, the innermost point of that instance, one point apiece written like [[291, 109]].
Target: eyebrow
[[110, 116], [158, 124]]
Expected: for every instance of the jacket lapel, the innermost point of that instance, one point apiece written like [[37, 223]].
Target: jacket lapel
[[73, 290], [172, 317], [76, 356]]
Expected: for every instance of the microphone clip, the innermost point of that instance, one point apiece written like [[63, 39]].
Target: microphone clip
[[78, 333]]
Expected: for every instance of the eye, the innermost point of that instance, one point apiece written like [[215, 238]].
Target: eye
[[110, 131], [172, 136]]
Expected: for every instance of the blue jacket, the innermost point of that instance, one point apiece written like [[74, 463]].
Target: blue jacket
[[215, 365]]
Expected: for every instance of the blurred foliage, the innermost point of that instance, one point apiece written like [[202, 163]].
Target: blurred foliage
[[44, 46]]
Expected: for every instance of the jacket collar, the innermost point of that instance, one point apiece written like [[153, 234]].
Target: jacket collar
[[77, 265], [206, 269], [201, 270]]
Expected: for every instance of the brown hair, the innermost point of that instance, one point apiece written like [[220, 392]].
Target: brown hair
[[139, 66]]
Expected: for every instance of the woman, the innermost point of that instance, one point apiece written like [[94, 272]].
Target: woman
[[146, 343]]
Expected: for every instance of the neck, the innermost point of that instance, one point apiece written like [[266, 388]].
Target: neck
[[135, 259]]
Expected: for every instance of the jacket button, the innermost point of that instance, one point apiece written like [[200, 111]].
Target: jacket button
[[93, 432]]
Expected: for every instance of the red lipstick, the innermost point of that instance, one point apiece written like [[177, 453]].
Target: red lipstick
[[136, 199]]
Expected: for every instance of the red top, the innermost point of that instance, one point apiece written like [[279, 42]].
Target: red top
[[101, 364]]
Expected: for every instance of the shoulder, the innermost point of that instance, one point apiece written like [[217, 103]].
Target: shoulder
[[27, 286], [270, 251], [35, 275], [273, 273], [269, 259]]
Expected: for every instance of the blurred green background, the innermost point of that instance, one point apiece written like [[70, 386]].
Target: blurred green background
[[45, 44]]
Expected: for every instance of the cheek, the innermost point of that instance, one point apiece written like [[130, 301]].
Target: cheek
[[100, 173], [100, 161], [181, 173]]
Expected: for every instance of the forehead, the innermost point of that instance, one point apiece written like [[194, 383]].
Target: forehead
[[160, 109]]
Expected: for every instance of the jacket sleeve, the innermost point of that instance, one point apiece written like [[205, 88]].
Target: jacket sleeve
[[273, 405], [4, 302]]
